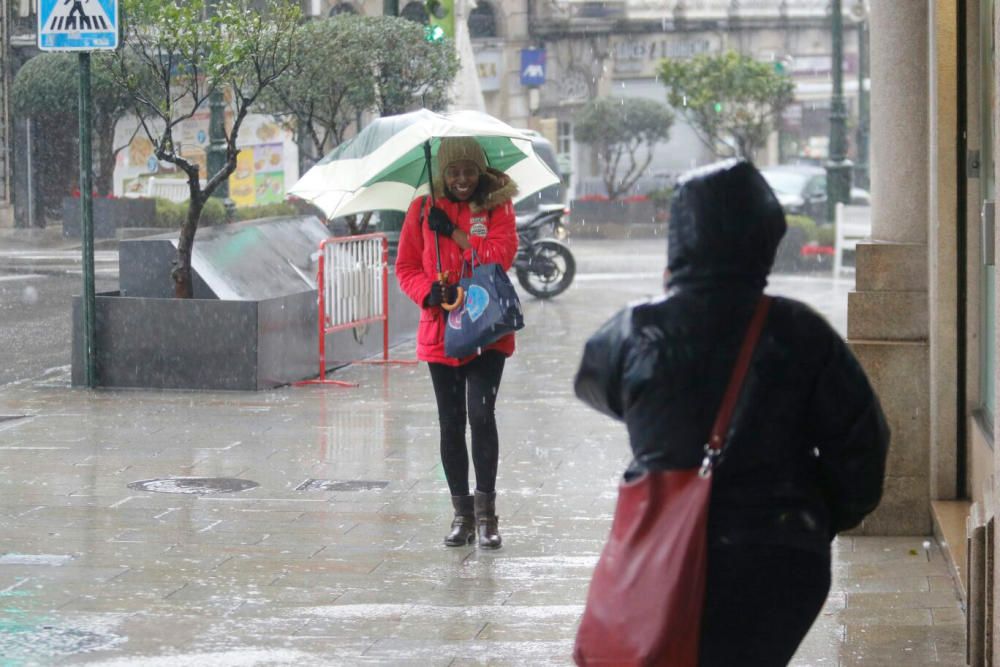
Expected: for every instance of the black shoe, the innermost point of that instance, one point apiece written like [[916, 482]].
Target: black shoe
[[463, 526], [487, 522]]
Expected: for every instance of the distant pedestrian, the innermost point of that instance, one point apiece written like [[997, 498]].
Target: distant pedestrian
[[805, 454], [472, 212]]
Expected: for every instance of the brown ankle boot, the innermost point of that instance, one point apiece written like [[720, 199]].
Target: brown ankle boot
[[487, 522], [463, 526]]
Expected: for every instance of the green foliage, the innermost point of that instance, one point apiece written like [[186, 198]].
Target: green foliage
[[826, 235], [731, 100], [805, 223], [332, 78], [46, 89], [409, 71], [620, 131], [214, 212], [45, 86], [179, 54], [348, 65], [266, 211], [169, 215], [661, 197]]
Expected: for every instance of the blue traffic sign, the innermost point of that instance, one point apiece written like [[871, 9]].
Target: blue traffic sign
[[532, 67], [77, 25]]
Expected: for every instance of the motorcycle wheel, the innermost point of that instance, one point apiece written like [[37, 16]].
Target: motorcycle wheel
[[550, 270]]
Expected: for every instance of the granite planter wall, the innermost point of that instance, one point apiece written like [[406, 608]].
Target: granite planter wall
[[252, 324]]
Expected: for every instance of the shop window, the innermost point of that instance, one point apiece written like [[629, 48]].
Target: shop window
[[342, 8], [415, 12], [565, 134], [482, 21]]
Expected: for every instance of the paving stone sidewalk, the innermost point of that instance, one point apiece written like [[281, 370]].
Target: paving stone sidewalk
[[335, 558]]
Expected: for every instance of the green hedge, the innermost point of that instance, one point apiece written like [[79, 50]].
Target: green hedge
[[171, 215], [826, 235], [821, 234], [266, 211], [805, 223]]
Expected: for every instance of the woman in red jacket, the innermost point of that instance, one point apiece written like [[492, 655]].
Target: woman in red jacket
[[472, 212]]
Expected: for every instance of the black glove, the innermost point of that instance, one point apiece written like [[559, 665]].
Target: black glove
[[441, 293], [438, 221]]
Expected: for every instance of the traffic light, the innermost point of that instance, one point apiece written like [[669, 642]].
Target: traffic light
[[441, 19], [718, 107], [435, 9], [433, 33]]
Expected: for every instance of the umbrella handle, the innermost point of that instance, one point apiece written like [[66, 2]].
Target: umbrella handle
[[459, 294], [459, 297]]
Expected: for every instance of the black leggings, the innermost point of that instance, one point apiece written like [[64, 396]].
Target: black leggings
[[475, 385], [759, 604]]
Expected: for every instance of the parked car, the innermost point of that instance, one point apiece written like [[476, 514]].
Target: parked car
[[801, 190]]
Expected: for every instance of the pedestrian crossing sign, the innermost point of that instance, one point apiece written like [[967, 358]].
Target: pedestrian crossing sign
[[77, 25]]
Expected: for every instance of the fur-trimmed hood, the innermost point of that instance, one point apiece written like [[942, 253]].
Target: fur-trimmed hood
[[495, 188]]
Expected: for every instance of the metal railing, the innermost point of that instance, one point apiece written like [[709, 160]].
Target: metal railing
[[352, 284]]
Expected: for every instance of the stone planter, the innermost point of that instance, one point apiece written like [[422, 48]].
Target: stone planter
[[110, 215], [252, 324], [212, 344]]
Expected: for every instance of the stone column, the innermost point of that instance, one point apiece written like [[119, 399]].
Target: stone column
[[887, 316]]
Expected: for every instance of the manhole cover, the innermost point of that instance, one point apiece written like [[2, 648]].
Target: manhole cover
[[348, 485], [196, 485], [21, 641]]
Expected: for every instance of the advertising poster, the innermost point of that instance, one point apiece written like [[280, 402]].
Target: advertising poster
[[266, 165], [241, 183]]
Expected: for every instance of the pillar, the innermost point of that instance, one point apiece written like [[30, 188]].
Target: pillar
[[888, 311]]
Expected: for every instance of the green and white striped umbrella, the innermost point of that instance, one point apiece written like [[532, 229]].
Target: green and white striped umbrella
[[384, 168]]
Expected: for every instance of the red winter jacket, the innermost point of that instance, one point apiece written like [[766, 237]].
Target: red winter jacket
[[489, 222]]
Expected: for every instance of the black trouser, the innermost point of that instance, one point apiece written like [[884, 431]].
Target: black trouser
[[469, 390], [760, 602]]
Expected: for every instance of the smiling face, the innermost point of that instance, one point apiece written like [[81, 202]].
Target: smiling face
[[461, 178]]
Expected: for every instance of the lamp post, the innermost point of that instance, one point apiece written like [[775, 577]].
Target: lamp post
[[215, 156], [838, 167], [862, 152]]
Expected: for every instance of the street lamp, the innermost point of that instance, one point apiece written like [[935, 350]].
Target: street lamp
[[860, 13], [216, 155], [838, 167]]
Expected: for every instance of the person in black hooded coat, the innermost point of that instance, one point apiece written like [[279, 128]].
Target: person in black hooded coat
[[805, 456]]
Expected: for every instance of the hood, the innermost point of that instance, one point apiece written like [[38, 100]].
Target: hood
[[494, 189], [725, 226]]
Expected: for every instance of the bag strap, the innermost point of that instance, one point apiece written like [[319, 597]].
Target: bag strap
[[718, 438]]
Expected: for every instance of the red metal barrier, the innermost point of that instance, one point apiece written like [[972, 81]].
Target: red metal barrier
[[352, 284]]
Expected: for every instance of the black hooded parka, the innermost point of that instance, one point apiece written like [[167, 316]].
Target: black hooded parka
[[805, 456]]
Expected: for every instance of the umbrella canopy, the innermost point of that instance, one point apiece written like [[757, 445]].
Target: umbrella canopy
[[384, 168]]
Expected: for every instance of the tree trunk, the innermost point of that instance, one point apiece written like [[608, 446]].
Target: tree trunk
[[183, 285]]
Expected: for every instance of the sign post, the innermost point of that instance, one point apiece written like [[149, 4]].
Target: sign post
[[83, 26]]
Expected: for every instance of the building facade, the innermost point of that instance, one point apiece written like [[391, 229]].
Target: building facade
[[537, 62], [613, 49]]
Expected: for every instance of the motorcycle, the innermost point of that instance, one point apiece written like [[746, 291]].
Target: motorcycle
[[544, 265]]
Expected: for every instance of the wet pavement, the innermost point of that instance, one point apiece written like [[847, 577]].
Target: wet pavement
[[110, 554]]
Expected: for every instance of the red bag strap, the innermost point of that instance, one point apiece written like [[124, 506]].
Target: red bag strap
[[721, 426]]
